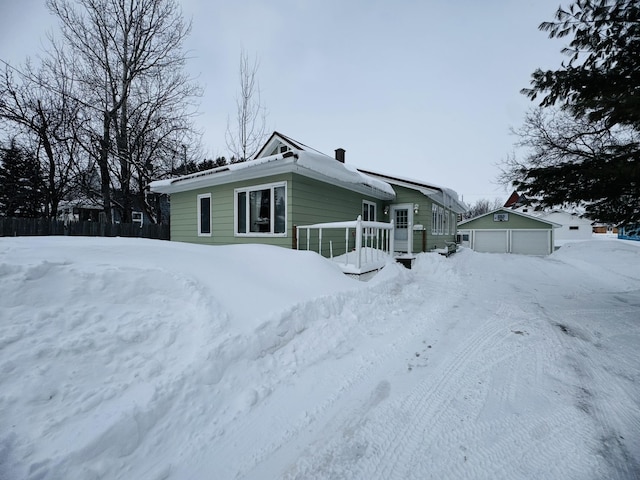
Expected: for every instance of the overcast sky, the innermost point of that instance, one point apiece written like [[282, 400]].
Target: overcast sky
[[421, 89]]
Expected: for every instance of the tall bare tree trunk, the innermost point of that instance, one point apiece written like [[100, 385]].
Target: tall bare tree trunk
[[103, 162]]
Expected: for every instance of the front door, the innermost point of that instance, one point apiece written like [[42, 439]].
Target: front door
[[403, 219]]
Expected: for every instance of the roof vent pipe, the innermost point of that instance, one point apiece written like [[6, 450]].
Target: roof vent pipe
[[340, 154]]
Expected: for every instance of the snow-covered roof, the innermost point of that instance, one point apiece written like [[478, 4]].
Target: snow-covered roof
[[295, 156], [308, 163], [563, 217], [80, 202], [442, 195], [513, 212]]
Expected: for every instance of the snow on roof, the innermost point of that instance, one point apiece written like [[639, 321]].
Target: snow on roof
[[444, 195], [515, 212], [308, 163]]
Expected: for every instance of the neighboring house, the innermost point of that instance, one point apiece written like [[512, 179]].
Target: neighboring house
[[604, 228], [80, 210], [508, 231], [518, 201], [91, 210], [572, 226], [289, 185]]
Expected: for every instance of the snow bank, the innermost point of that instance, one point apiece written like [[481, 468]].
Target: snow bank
[[127, 358]]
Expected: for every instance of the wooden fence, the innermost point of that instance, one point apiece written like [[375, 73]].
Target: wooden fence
[[21, 227]]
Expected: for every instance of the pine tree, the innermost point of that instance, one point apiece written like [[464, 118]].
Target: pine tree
[[592, 157], [21, 183]]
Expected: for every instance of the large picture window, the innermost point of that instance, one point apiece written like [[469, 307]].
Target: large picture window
[[204, 215], [261, 210]]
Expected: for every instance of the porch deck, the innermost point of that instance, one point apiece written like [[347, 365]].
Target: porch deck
[[367, 246], [371, 262]]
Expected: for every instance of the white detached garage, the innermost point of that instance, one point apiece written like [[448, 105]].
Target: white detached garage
[[508, 231]]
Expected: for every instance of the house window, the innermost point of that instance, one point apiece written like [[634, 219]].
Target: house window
[[136, 217], [440, 219], [368, 215], [261, 210], [453, 223], [368, 211], [445, 221], [434, 219], [204, 215]]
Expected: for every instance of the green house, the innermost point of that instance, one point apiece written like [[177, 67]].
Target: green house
[[288, 186], [508, 231]]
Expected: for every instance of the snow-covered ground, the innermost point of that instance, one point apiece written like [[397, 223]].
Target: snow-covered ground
[[141, 359]]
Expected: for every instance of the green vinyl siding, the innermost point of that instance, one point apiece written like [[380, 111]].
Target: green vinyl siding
[[309, 201], [184, 226], [318, 202], [424, 218], [315, 202], [515, 221]]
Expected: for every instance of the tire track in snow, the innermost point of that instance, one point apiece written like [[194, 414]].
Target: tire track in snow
[[428, 404], [406, 430], [408, 417], [287, 426], [304, 423], [601, 407]]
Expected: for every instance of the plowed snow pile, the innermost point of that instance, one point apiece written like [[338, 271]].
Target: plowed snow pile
[[141, 359]]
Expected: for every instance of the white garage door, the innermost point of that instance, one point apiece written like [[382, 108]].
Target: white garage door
[[492, 241], [530, 242]]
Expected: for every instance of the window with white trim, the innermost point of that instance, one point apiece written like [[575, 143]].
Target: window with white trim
[[204, 215], [368, 215], [440, 221], [434, 219], [261, 210], [368, 211], [445, 221]]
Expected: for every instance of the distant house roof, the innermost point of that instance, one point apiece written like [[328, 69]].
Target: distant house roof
[[564, 216], [516, 200]]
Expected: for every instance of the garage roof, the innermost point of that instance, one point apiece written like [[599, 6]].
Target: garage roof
[[476, 220]]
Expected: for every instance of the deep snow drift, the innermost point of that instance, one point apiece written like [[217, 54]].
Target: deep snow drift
[[140, 359]]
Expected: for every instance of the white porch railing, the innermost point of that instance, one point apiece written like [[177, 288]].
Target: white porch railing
[[367, 245]]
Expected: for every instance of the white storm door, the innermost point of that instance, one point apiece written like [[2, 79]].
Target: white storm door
[[402, 216]]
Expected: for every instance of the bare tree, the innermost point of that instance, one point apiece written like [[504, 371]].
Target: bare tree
[[482, 206], [39, 108], [566, 160], [130, 63], [250, 124]]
